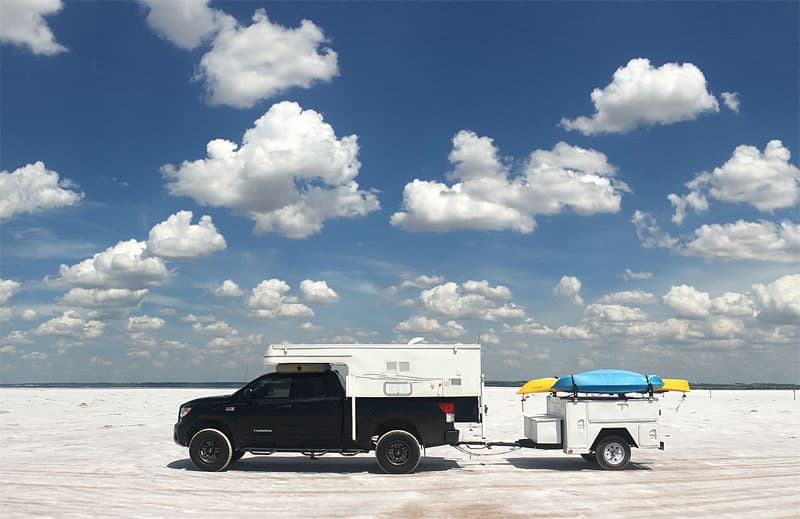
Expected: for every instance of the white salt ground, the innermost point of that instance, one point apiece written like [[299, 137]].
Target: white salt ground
[[109, 453]]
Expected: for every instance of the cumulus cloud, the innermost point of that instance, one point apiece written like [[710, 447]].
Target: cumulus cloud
[[741, 240], [250, 63], [628, 297], [228, 288], [689, 302], [417, 281], [569, 288], [642, 95], [69, 324], [613, 312], [186, 23], [766, 180], [104, 298], [289, 175], [24, 24], [29, 314], [780, 300], [34, 188], [144, 323], [317, 292], [455, 301], [6, 314], [124, 265], [485, 197], [8, 289], [731, 100], [268, 300], [629, 275], [177, 238], [421, 324]]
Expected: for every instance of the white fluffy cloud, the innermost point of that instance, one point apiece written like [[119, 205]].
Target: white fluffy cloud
[[317, 292], [617, 313], [569, 288], [69, 324], [186, 23], [23, 23], [766, 180], [268, 300], [418, 281], [33, 188], [628, 297], [457, 301], [289, 175], [144, 323], [779, 300], [177, 238], [104, 298], [642, 95], [250, 63], [8, 289], [228, 288], [124, 265], [689, 302], [421, 324], [754, 241], [485, 197], [731, 100]]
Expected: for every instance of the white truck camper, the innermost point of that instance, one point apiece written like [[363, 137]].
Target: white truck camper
[[413, 370]]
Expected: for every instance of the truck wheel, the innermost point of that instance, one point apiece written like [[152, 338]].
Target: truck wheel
[[237, 455], [613, 453], [398, 452], [210, 450], [590, 457]]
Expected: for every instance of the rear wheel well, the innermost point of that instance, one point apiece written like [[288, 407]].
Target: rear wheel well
[[621, 432], [385, 427]]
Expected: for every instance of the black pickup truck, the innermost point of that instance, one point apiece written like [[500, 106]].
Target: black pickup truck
[[309, 413]]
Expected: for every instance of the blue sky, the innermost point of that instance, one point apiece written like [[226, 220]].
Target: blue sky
[[471, 100]]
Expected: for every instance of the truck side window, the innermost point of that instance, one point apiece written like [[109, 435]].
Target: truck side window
[[274, 387], [307, 387]]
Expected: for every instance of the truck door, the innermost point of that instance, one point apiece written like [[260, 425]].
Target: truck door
[[316, 412], [263, 415]]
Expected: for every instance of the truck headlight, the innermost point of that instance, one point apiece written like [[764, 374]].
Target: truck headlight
[[183, 412]]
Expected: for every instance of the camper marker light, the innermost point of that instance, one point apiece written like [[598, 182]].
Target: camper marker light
[[184, 411], [449, 410]]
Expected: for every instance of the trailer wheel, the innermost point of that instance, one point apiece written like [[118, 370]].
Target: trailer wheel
[[590, 457], [613, 453], [397, 452], [210, 450]]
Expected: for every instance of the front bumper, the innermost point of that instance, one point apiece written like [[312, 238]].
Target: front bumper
[[178, 436]]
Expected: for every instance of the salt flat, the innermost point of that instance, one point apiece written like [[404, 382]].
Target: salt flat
[[109, 452]]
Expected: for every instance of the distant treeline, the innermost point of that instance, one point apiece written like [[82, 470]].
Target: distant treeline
[[236, 385]]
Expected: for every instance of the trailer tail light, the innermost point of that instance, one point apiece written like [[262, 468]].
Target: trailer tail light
[[449, 410]]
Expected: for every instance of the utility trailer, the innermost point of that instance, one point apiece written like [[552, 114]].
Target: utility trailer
[[601, 429]]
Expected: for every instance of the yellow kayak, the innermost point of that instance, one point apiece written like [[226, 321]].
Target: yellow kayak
[[538, 385], [674, 384]]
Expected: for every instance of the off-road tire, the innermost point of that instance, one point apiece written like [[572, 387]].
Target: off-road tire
[[210, 450], [398, 452]]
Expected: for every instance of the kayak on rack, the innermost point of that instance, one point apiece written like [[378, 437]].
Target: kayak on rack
[[674, 384], [608, 381], [538, 385]]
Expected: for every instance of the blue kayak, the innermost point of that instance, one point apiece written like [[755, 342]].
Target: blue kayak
[[608, 381]]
